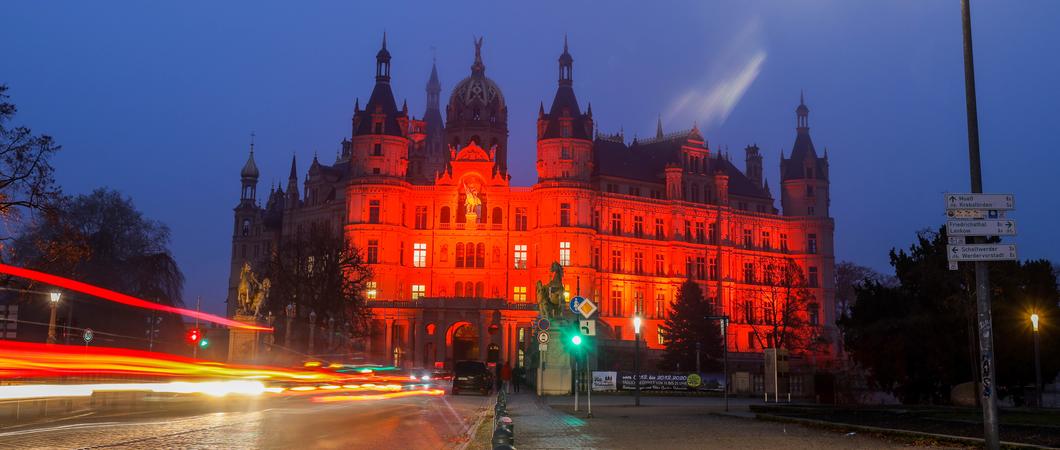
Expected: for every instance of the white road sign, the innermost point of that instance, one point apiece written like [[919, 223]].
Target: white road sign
[[980, 201], [542, 337], [588, 327], [982, 252], [1004, 227]]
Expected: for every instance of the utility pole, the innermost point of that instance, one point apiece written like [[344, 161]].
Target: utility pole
[[195, 347], [982, 274]]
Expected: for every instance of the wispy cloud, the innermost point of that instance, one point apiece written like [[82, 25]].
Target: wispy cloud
[[714, 98]]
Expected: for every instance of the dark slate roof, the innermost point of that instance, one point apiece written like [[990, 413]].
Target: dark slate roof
[[565, 100], [382, 99], [647, 162], [800, 152]]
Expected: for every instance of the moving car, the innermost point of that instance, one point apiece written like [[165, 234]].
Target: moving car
[[472, 375]]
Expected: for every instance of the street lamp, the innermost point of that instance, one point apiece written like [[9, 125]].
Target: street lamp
[[636, 358], [1037, 361], [54, 297]]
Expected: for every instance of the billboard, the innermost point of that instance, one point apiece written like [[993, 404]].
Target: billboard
[[673, 381]]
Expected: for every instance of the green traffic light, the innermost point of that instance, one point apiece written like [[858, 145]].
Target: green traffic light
[[204, 343], [576, 340]]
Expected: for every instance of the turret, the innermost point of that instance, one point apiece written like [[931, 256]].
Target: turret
[[804, 175], [249, 178], [753, 164], [379, 146], [564, 139], [292, 184]]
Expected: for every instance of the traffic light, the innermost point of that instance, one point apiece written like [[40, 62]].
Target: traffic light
[[193, 336], [576, 339], [203, 343]]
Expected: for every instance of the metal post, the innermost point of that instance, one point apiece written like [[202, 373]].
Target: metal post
[[589, 390], [982, 274], [51, 323], [195, 347], [636, 367], [725, 363], [1037, 369], [576, 382], [697, 356], [312, 331]]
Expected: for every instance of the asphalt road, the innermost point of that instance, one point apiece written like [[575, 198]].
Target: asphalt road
[[407, 423]]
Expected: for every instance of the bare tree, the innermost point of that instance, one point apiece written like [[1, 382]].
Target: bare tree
[[848, 277], [789, 312], [25, 172]]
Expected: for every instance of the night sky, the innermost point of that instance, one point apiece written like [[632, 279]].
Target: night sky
[[158, 101]]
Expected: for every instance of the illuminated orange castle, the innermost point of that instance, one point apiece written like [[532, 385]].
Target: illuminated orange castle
[[456, 249]]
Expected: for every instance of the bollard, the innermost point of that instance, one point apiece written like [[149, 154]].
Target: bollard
[[502, 436]]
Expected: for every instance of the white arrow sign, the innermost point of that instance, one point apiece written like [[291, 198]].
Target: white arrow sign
[[982, 252], [1006, 227], [980, 201]]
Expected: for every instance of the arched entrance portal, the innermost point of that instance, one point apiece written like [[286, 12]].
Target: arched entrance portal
[[465, 342]]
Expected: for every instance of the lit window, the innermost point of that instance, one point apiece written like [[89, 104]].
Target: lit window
[[519, 294], [418, 291], [662, 338], [520, 256], [371, 291], [419, 254], [564, 253], [660, 305]]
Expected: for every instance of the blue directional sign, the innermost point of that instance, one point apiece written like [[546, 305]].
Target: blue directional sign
[[574, 302]]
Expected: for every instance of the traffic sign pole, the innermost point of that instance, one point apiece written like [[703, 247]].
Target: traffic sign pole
[[982, 275]]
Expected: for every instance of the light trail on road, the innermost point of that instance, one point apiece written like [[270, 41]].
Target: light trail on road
[[384, 396], [118, 297]]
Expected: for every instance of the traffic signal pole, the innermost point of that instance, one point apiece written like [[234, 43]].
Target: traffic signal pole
[[982, 275]]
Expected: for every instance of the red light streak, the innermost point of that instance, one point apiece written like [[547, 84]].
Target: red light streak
[[118, 297], [369, 397]]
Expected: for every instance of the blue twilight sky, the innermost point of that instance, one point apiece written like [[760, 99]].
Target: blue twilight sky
[[158, 99]]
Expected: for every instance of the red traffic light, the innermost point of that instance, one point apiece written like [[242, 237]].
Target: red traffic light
[[193, 336]]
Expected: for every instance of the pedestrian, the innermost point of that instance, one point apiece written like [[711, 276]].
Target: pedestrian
[[506, 378], [518, 375]]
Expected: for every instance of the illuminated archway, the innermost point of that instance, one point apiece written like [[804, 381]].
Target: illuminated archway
[[462, 339]]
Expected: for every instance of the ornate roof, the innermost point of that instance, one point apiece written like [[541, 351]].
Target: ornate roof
[[476, 91]]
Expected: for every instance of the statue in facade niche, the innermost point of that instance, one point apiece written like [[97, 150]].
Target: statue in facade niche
[[471, 202], [550, 297]]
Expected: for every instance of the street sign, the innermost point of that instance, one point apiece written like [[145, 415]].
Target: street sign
[[954, 266], [981, 252], [975, 214], [1003, 227], [574, 302], [87, 335], [543, 324], [588, 327], [542, 347], [542, 337], [955, 240], [980, 201], [587, 308]]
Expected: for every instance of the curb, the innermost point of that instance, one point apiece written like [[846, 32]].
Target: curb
[[978, 442], [472, 431]]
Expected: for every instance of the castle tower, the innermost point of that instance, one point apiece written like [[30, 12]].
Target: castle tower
[[564, 135], [292, 185], [804, 175], [380, 141], [435, 154], [477, 112], [247, 226]]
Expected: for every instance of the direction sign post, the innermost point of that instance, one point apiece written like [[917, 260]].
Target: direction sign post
[[972, 227], [981, 252], [980, 201]]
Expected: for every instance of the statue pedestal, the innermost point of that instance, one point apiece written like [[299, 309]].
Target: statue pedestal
[[554, 369], [243, 344]]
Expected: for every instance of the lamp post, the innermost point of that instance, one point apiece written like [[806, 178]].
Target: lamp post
[[54, 297], [290, 310], [312, 329], [1037, 362], [725, 355], [636, 358]]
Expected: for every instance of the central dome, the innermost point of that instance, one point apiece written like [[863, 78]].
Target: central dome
[[476, 91]]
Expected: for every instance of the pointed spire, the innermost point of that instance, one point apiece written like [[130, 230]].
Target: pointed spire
[[405, 106], [658, 128], [541, 110], [566, 66], [564, 42], [802, 114], [802, 98], [250, 169], [589, 110], [294, 169], [382, 63], [357, 105]]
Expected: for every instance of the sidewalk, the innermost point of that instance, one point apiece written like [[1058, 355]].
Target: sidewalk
[[538, 426], [664, 422]]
